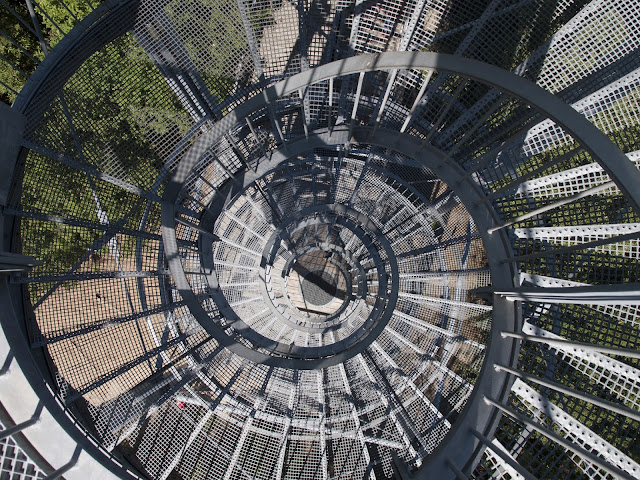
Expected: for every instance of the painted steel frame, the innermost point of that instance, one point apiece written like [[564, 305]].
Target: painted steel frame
[[478, 415], [611, 159]]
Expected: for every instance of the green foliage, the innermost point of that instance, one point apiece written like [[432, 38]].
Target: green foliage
[[70, 196], [12, 57], [126, 111], [116, 114], [121, 114], [54, 20], [224, 44]]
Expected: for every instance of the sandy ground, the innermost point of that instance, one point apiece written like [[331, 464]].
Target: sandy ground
[[87, 358]]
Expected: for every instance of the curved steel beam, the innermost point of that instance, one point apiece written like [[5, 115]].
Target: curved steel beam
[[612, 160], [477, 414]]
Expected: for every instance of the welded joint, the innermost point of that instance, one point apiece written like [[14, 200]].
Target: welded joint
[[18, 428]]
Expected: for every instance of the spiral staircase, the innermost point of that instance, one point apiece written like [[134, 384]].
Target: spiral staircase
[[320, 240]]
